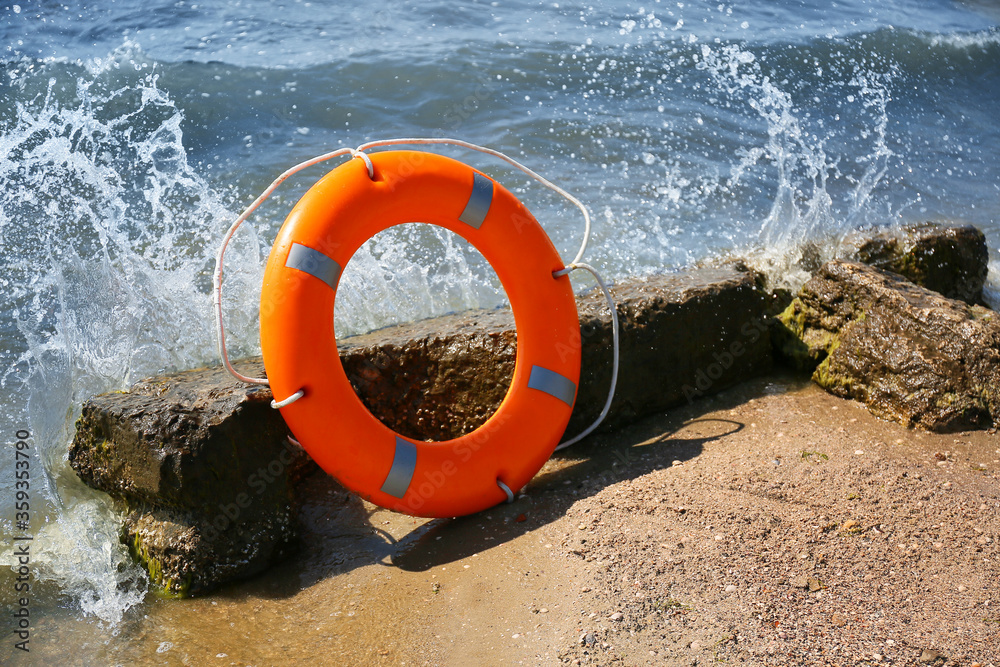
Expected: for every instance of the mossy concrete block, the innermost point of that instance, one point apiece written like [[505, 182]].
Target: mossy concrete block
[[189, 553], [805, 335], [180, 440], [202, 468]]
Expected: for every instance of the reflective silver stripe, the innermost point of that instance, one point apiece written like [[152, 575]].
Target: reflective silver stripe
[[314, 263], [552, 383], [479, 201], [404, 461]]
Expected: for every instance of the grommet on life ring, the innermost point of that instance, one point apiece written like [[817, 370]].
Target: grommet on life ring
[[327, 226]]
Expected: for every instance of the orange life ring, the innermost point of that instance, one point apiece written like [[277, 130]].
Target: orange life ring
[[324, 229]]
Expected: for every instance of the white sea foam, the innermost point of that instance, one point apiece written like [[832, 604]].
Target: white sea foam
[[966, 40], [107, 233]]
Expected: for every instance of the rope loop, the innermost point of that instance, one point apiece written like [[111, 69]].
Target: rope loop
[[614, 359], [368, 162], [565, 271], [288, 401], [506, 489]]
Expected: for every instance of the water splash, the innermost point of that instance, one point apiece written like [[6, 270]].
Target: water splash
[[109, 238], [821, 196], [774, 152]]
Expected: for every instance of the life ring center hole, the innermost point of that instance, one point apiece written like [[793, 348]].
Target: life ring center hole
[[425, 331]]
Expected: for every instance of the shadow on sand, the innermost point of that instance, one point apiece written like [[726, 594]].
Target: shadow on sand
[[339, 532]]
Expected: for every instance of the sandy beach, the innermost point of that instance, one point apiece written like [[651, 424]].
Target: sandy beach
[[773, 524]]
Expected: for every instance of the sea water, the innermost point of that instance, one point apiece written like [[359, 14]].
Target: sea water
[[133, 133]]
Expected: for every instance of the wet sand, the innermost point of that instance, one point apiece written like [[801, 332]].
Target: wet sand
[[772, 524]]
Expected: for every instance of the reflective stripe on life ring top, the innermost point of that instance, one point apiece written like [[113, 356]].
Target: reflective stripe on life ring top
[[327, 226]]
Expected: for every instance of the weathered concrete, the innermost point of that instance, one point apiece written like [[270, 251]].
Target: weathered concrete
[[682, 335], [910, 354], [202, 469], [200, 462], [953, 261], [435, 379]]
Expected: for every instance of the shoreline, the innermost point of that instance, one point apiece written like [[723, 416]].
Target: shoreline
[[676, 540]]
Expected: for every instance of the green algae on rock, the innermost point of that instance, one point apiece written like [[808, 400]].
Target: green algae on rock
[[204, 473], [908, 353]]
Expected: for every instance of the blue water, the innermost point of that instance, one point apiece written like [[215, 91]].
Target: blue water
[[132, 134]]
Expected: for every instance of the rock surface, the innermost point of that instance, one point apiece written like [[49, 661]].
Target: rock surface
[[953, 261], [908, 353], [682, 336], [203, 471], [201, 463], [435, 379]]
